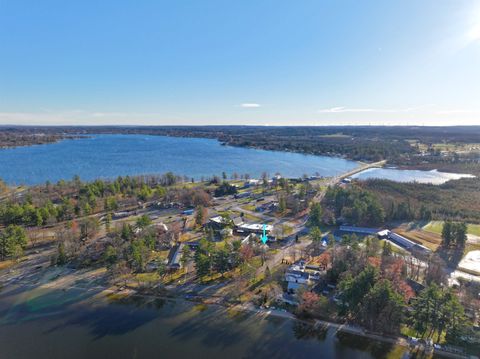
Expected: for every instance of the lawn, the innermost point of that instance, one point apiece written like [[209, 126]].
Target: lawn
[[249, 207], [436, 227], [148, 277], [251, 217]]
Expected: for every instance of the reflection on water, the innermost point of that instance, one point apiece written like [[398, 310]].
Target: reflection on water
[[72, 324], [304, 330]]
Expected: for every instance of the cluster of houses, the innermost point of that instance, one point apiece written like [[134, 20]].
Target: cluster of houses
[[269, 206], [303, 276], [252, 232]]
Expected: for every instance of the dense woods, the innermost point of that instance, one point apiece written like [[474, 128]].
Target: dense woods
[[457, 200], [355, 206]]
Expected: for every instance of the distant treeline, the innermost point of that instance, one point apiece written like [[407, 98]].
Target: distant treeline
[[19, 138], [355, 142]]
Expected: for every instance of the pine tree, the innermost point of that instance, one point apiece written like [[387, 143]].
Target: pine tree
[[447, 233]]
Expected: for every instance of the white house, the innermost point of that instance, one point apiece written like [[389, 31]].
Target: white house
[[297, 277]]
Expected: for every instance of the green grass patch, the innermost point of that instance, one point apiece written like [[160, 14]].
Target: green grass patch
[[256, 262], [148, 277], [249, 207], [437, 226], [251, 217]]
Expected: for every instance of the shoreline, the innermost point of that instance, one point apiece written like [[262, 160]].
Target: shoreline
[[108, 295]]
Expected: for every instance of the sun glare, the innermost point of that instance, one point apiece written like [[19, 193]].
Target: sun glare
[[474, 33]]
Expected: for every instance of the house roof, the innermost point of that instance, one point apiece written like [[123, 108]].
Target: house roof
[[298, 273], [256, 227], [363, 230], [174, 254]]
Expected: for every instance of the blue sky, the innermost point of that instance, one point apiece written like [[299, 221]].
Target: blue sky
[[261, 62]]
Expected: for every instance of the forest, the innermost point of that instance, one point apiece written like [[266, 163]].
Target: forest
[[456, 200]]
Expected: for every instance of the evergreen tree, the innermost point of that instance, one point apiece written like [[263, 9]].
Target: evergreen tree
[[316, 234], [13, 241], [315, 217], [382, 308], [447, 233], [387, 249]]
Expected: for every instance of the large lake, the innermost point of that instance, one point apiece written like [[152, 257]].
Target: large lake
[[56, 324], [108, 156]]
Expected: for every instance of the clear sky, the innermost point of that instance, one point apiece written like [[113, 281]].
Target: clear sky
[[267, 62]]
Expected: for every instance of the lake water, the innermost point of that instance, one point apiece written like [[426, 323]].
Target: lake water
[[433, 177], [51, 324], [108, 156]]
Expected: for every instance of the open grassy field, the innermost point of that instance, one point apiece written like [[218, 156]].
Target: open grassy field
[[436, 227], [450, 147]]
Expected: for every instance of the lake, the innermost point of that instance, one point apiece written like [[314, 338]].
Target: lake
[[398, 175], [108, 156], [50, 324]]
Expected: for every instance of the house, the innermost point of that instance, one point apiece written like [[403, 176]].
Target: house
[[226, 232], [296, 277], [269, 206], [251, 182], [237, 221], [174, 256], [161, 227], [276, 179], [219, 222], [118, 215], [254, 238], [254, 228], [242, 195]]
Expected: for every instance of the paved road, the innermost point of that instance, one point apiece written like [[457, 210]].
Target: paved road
[[335, 180]]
